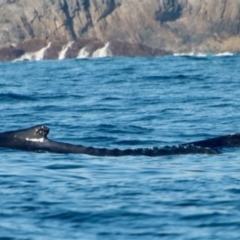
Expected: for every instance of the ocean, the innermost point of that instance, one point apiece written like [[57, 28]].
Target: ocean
[[125, 103]]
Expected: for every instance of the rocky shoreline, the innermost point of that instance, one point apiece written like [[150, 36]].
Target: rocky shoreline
[[41, 49], [56, 29]]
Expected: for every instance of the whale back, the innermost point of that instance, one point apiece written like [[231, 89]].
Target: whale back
[[231, 140], [35, 139], [36, 133]]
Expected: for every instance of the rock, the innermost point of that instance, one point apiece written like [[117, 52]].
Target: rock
[[172, 25], [39, 49], [120, 48], [53, 51], [32, 45], [10, 53]]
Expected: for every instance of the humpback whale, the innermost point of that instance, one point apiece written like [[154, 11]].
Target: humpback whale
[[231, 140], [35, 139]]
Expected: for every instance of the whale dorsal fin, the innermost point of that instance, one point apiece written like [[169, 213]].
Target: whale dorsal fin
[[37, 133]]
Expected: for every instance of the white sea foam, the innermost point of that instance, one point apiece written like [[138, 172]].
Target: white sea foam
[[103, 52], [193, 54], [62, 54], [199, 54], [40, 54], [83, 53], [34, 56], [225, 54], [182, 54]]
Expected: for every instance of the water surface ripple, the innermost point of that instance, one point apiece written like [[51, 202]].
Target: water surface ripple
[[124, 103]]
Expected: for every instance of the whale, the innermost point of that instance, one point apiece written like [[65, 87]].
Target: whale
[[36, 139], [230, 140]]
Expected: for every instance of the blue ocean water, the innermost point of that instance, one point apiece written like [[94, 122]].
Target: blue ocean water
[[124, 103]]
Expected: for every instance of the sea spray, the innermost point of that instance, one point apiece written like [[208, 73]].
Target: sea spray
[[83, 53], [34, 56], [103, 52], [62, 54]]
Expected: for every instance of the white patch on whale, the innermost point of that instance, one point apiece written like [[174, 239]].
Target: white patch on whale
[[35, 139]]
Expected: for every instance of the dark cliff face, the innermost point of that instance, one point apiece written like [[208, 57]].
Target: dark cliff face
[[173, 25]]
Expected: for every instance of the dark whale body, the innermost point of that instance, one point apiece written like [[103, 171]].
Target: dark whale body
[[35, 139], [231, 140]]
